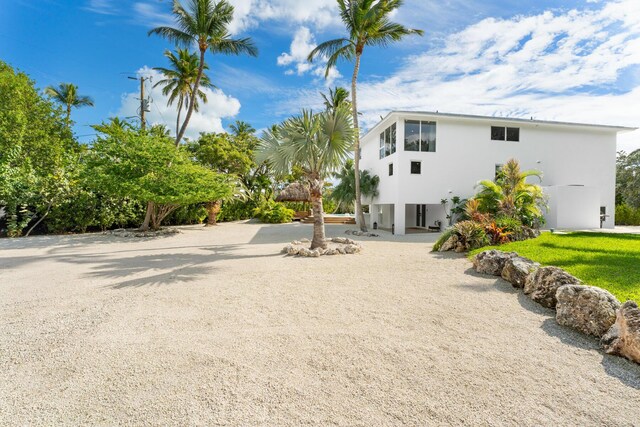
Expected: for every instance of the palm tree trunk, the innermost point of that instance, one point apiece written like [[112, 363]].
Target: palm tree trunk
[[69, 115], [356, 151], [213, 209], [196, 85], [318, 215], [178, 119]]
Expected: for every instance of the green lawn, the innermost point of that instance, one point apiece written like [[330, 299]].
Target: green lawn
[[609, 261]]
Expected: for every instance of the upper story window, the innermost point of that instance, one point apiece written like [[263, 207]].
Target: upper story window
[[388, 141], [416, 168], [501, 133], [419, 136]]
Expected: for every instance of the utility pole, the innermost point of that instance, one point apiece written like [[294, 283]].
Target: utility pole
[[144, 103]]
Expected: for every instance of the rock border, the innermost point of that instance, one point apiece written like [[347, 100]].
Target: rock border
[[588, 309], [335, 246], [127, 233]]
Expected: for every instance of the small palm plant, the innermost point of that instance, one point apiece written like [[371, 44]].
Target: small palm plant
[[367, 23], [344, 192], [204, 23], [319, 144], [179, 80], [67, 95]]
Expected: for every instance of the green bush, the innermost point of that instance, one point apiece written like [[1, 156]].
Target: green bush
[[472, 234], [190, 214], [627, 215], [273, 213], [237, 210]]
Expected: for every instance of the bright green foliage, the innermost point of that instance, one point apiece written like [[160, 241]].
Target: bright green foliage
[[273, 213], [148, 168], [223, 153], [37, 152], [446, 234], [627, 215], [628, 179], [609, 261], [512, 196], [336, 97], [344, 193]]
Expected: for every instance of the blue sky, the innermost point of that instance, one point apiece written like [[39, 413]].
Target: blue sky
[[575, 60]]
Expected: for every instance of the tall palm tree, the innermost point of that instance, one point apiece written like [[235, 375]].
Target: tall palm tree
[[318, 144], [203, 23], [67, 95], [335, 98], [179, 79], [368, 24], [242, 128]]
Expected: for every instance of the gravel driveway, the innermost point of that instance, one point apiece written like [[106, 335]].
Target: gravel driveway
[[214, 327]]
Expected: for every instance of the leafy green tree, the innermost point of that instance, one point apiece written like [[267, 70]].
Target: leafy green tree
[[242, 129], [511, 195], [204, 23], [344, 192], [67, 95], [150, 168], [628, 179], [367, 23], [336, 97], [223, 153], [36, 151], [317, 143], [179, 80]]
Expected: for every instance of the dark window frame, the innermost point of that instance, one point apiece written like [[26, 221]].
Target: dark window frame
[[422, 145], [505, 133], [390, 169], [418, 169]]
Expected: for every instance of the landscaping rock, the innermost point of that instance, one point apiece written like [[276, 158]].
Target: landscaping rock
[[360, 233], [517, 269], [450, 244], [588, 309], [121, 232], [542, 285], [335, 246], [492, 261], [352, 249], [623, 338]]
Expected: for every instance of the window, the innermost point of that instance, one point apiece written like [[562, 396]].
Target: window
[[419, 136], [513, 134], [390, 169], [416, 168], [499, 133], [388, 141]]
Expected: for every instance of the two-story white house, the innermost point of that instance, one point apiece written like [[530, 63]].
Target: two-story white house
[[423, 158]]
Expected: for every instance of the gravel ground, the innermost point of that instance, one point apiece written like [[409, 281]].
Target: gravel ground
[[214, 327]]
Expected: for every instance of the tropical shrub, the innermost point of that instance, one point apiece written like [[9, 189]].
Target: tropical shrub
[[273, 213], [446, 235], [471, 234], [627, 215]]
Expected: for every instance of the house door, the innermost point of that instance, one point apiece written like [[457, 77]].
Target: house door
[[421, 215]]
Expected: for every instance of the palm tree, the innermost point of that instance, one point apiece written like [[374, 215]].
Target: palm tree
[[344, 192], [179, 79], [67, 95], [318, 144], [242, 128], [205, 24], [511, 195], [336, 97], [368, 24]]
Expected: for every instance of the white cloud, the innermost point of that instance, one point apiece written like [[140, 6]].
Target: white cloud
[[102, 7], [151, 15], [208, 119], [317, 13], [554, 66], [296, 59]]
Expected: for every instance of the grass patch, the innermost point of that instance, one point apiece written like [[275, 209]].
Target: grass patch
[[609, 261]]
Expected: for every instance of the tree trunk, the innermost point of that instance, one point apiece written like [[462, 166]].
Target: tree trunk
[[196, 85], [318, 215], [178, 119], [147, 217], [160, 213], [213, 209], [356, 151], [39, 221], [69, 115]]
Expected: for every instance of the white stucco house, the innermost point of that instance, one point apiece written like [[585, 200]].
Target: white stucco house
[[424, 157]]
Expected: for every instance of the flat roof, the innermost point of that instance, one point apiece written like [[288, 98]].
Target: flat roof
[[505, 119]]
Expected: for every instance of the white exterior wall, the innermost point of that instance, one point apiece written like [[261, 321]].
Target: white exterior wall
[[465, 154]]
